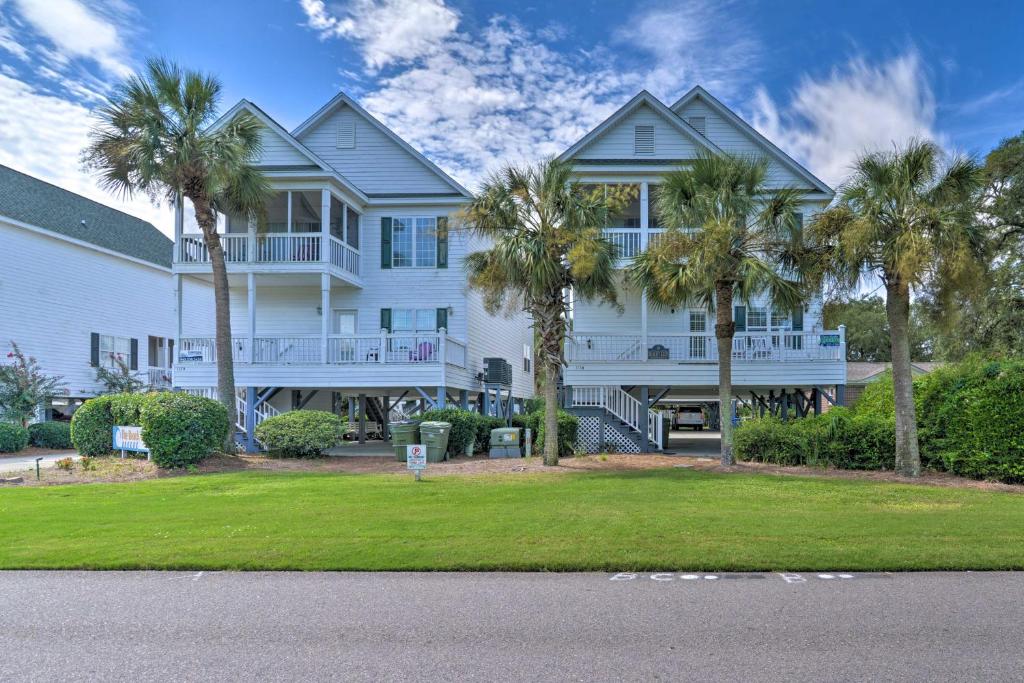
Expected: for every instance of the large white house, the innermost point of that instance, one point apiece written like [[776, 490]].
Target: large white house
[[82, 283], [620, 364], [355, 291]]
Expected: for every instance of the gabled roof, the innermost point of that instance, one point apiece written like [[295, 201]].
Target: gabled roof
[[697, 92], [858, 372], [342, 99], [39, 204], [278, 129], [642, 98]]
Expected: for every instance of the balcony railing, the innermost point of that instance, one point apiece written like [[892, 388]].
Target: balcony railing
[[158, 378], [398, 348], [748, 347], [269, 248]]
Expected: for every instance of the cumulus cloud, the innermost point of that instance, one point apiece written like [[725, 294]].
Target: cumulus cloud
[[858, 107], [387, 31]]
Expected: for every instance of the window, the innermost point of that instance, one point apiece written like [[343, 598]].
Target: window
[[643, 139], [527, 357], [698, 321], [113, 349], [699, 123], [698, 342], [780, 320], [757, 319], [158, 357], [414, 242], [414, 320]]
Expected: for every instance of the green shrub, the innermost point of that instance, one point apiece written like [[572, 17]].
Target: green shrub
[[568, 431], [50, 434], [484, 425], [464, 427], [180, 429], [13, 437], [92, 426], [770, 440], [126, 409], [301, 433]]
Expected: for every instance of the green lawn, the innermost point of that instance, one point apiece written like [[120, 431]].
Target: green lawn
[[650, 520]]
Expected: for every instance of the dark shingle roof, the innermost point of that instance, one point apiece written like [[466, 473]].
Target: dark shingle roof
[[38, 203]]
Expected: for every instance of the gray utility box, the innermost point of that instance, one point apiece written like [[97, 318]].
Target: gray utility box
[[505, 443]]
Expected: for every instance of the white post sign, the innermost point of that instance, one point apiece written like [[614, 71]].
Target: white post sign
[[416, 458], [129, 438]]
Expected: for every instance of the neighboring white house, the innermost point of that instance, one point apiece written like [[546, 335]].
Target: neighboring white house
[[355, 290], [621, 363], [81, 281]]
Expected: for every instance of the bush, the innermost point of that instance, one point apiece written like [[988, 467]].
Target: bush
[[769, 440], [568, 431], [484, 425], [464, 427], [92, 426], [301, 433], [181, 429], [50, 434], [13, 437], [66, 464]]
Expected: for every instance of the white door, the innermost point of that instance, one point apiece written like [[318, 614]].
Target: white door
[[344, 321]]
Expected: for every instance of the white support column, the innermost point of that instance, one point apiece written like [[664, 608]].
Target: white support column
[[288, 228], [250, 242], [179, 226], [325, 229], [344, 222], [645, 219], [325, 318], [643, 325], [251, 285], [176, 278]]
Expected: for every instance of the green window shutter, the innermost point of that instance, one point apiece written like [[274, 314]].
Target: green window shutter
[[442, 241], [442, 318], [798, 319], [385, 319], [739, 316], [135, 354], [385, 242], [94, 351]]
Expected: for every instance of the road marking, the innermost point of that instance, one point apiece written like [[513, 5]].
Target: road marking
[[788, 577], [196, 577]]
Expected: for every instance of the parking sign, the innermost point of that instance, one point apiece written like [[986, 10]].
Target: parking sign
[[416, 457]]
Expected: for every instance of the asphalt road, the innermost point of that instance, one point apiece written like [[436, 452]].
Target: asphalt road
[[21, 464], [147, 626]]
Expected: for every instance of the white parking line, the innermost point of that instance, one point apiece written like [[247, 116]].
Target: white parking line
[[788, 577]]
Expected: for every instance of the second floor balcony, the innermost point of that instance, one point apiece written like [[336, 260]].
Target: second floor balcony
[[747, 347], [295, 251]]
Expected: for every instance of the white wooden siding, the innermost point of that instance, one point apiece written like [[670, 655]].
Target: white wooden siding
[[57, 293], [376, 164], [279, 152], [617, 141]]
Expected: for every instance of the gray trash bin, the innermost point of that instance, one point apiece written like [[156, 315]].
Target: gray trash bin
[[435, 438]]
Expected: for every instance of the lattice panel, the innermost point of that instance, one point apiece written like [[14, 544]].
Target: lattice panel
[[615, 440]]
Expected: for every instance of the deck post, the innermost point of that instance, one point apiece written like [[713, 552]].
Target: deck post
[[178, 318], [362, 418], [442, 398], [645, 400], [325, 314], [351, 410], [841, 394], [250, 419], [386, 413], [251, 291], [325, 227], [816, 401], [464, 399]]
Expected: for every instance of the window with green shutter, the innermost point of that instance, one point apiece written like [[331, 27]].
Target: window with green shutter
[[739, 316], [385, 319], [442, 242], [442, 319], [385, 242]]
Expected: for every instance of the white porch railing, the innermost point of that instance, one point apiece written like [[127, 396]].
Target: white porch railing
[[294, 247], [748, 347], [343, 256], [430, 348], [288, 248], [159, 378], [626, 240], [623, 406], [192, 249]]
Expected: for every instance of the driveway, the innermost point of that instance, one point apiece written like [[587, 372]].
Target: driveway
[[22, 463], [149, 626]]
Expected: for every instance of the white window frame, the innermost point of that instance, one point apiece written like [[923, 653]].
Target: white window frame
[[414, 317], [785, 321], [335, 318], [422, 230], [751, 327], [109, 348]]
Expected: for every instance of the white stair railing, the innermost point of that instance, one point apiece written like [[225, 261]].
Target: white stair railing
[[623, 406], [262, 412]]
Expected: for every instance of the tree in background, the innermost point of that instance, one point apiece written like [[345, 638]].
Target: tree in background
[[154, 137], [867, 328], [119, 379], [24, 387], [907, 218], [546, 237], [729, 237]]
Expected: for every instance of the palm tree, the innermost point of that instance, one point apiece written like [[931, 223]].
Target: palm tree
[[907, 218], [546, 239], [154, 138], [728, 237]]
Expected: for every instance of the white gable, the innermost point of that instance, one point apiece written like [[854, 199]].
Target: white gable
[[368, 157], [620, 140], [279, 152]]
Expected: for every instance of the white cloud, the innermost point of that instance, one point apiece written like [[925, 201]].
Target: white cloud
[[43, 135], [77, 31], [387, 31], [856, 108]]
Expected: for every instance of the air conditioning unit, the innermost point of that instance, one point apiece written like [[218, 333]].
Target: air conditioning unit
[[497, 371]]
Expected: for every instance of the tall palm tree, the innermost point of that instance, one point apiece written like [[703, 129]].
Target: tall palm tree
[[546, 239], [153, 138], [907, 218], [729, 237]]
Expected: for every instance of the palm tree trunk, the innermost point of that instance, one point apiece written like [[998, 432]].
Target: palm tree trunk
[[550, 326], [551, 414], [207, 220], [725, 330], [897, 309]]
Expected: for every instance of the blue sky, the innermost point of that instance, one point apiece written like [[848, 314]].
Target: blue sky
[[475, 83]]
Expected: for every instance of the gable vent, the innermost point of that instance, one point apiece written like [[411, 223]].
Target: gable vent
[[643, 140], [700, 123], [347, 131]]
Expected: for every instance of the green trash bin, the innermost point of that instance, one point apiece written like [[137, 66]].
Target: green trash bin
[[435, 438], [403, 434]]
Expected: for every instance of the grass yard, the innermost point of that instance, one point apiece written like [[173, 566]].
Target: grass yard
[[674, 519]]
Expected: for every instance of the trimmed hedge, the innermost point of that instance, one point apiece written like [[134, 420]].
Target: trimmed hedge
[[13, 437], [568, 432], [181, 429], [464, 427], [301, 433], [92, 426], [50, 435], [484, 425]]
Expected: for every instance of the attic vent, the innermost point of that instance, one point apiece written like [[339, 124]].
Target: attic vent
[[700, 123], [347, 131], [643, 140]]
